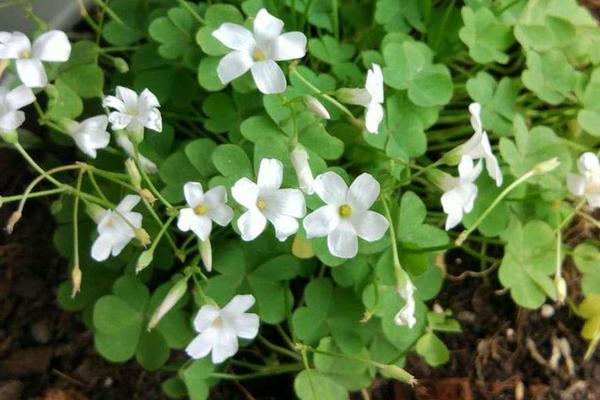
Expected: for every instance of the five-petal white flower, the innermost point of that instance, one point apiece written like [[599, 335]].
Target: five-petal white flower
[[370, 97], [265, 200], [133, 112], [346, 214], [11, 101], [90, 134], [460, 193], [203, 209], [117, 228], [478, 146], [52, 46], [587, 183], [219, 329], [259, 51]]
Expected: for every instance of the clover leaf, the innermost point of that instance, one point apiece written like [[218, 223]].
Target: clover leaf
[[329, 50], [313, 385], [550, 76], [486, 35], [175, 32], [412, 231], [586, 257]]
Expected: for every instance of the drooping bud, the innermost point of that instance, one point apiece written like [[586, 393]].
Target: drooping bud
[[76, 277], [561, 289], [12, 221], [121, 65], [398, 373], [142, 236], [144, 260], [316, 107], [299, 159], [206, 254], [172, 297], [147, 195], [134, 174], [546, 166]]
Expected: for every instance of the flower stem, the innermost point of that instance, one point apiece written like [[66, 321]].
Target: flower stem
[[148, 181], [278, 349], [400, 274], [279, 369]]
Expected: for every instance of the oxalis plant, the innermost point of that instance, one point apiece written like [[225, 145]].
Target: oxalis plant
[[269, 187]]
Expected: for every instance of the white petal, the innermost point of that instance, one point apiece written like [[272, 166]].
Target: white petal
[[202, 344], [11, 120], [53, 46], [370, 225], [193, 193], [588, 162], [285, 202], [114, 102], [238, 305], [234, 36], [270, 174], [593, 200], [101, 248], [373, 117], [147, 100], [374, 83], [233, 65], [225, 346], [266, 28], [285, 226], [289, 46], [31, 72], [245, 192], [185, 218], [148, 165], [342, 241], [576, 184], [119, 120], [216, 196], [475, 110], [12, 45], [201, 225], [205, 317], [331, 188], [221, 214], [321, 222], [246, 326], [129, 98], [154, 120], [19, 97], [119, 244], [128, 202], [493, 169], [251, 224], [452, 203], [363, 192], [359, 97], [94, 124], [299, 159], [269, 78]]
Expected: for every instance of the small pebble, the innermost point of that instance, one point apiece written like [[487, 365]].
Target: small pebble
[[547, 311]]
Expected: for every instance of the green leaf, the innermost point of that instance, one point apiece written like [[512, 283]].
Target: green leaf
[[329, 50], [412, 231], [195, 377], [586, 257], [199, 153], [529, 260], [63, 101], [433, 350], [215, 15], [486, 35], [313, 385], [231, 161], [175, 32], [550, 76], [112, 314], [207, 74], [152, 351]]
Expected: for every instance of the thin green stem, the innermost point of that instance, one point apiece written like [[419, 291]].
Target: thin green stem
[[148, 181], [280, 369], [41, 193], [277, 348]]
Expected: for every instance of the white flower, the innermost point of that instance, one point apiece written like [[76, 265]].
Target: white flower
[[219, 329], [203, 209], [371, 97], [299, 158], [259, 51], [116, 229], [90, 135], [316, 107], [127, 146], [460, 193], [406, 315], [265, 200], [11, 101], [133, 112], [478, 146], [587, 183], [346, 215], [52, 46]]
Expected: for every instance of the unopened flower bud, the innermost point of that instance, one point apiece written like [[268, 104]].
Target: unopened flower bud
[[395, 372], [94, 211], [299, 159], [76, 280], [147, 195], [561, 289], [142, 236], [316, 107], [206, 254], [134, 174], [546, 166], [144, 260], [172, 297], [12, 221], [121, 65]]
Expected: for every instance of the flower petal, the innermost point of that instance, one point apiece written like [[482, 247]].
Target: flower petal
[[321, 222], [53, 46], [12, 45], [225, 346], [154, 120], [373, 117], [114, 102], [270, 174], [331, 188], [19, 97], [245, 192], [374, 84], [370, 225], [185, 218], [266, 28], [233, 65], [129, 98], [205, 317], [251, 224], [238, 305], [576, 184], [193, 193], [593, 200], [246, 326], [285, 202], [342, 241], [221, 214], [128, 202], [11, 120], [285, 226], [289, 46], [363, 192], [119, 120], [101, 248], [202, 344], [234, 36], [147, 100], [201, 225], [31, 72], [269, 78], [453, 205]]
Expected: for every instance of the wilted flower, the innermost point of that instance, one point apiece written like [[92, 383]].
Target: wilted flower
[[258, 51], [371, 97], [299, 159], [346, 215], [117, 228], [52, 46], [460, 193], [90, 134], [219, 329], [587, 183], [265, 200], [133, 112]]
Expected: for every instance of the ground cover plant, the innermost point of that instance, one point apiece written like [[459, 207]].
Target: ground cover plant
[[268, 188]]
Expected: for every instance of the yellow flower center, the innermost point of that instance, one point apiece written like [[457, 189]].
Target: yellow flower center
[[218, 322], [259, 55], [200, 209], [345, 210], [25, 54], [261, 204]]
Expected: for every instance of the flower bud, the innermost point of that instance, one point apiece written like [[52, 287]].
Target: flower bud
[[121, 65], [299, 159], [206, 254], [147, 195], [12, 221], [11, 137], [142, 236], [546, 166], [395, 372], [561, 289], [172, 297], [94, 211], [316, 107], [144, 260], [76, 280], [134, 174]]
